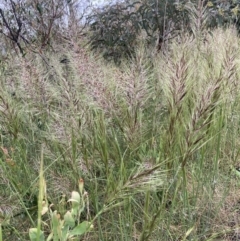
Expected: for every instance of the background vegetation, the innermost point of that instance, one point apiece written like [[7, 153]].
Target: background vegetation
[[153, 134]]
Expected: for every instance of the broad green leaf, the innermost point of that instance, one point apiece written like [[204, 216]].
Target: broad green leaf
[[69, 220], [81, 228], [33, 234], [75, 200], [237, 172], [75, 197], [1, 232], [50, 236], [65, 233], [56, 226]]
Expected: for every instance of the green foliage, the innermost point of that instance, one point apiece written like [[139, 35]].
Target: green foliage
[[114, 30], [1, 232], [161, 18], [224, 13], [34, 236], [62, 229]]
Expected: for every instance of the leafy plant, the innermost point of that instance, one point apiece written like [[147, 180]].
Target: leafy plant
[[224, 13], [68, 227], [62, 229], [114, 30]]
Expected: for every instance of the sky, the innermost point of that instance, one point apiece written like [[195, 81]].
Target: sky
[[102, 2], [99, 2], [95, 3]]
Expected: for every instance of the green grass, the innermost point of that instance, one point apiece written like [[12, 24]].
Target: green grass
[[155, 141]]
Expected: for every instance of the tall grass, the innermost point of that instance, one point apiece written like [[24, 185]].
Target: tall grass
[[154, 140]]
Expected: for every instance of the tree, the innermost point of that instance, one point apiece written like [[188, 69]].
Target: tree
[[32, 24], [115, 27], [224, 13], [114, 30]]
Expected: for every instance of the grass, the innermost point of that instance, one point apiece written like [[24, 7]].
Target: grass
[[155, 140]]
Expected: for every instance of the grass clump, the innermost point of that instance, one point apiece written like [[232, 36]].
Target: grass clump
[[155, 141]]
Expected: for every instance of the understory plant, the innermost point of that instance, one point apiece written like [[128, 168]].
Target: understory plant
[[64, 228]]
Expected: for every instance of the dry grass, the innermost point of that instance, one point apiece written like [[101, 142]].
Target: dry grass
[[153, 139]]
